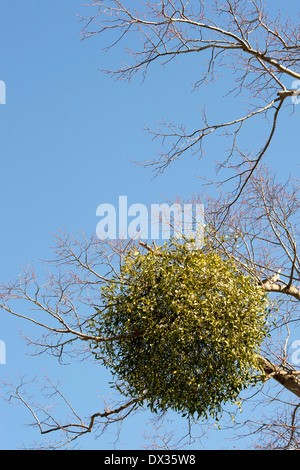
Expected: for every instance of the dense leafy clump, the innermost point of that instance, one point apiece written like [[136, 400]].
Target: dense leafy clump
[[188, 324]]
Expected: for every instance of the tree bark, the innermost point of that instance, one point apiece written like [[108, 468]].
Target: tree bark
[[289, 380]]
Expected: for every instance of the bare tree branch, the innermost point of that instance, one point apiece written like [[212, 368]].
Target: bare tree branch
[[263, 53]]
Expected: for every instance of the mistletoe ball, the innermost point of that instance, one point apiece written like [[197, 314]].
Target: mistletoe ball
[[187, 326]]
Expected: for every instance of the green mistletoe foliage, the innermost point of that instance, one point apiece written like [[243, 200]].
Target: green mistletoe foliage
[[187, 325]]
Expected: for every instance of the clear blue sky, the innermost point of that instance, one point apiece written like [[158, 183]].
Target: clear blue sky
[[68, 133]]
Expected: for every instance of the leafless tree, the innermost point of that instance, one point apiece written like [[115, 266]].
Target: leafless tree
[[262, 53], [260, 235], [256, 223]]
